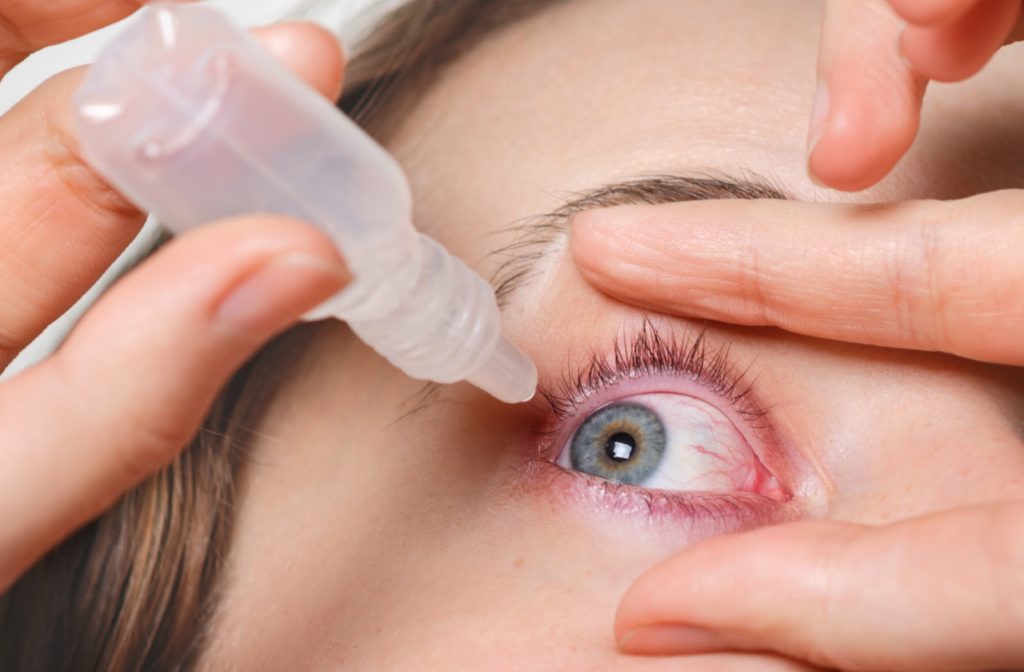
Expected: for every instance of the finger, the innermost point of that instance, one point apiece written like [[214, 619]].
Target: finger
[[62, 226], [868, 105], [934, 276], [943, 592], [932, 12], [954, 51], [29, 25], [135, 378], [310, 51]]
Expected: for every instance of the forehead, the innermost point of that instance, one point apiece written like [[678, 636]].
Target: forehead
[[595, 91]]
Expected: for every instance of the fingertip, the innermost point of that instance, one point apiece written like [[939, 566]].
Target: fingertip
[[617, 249], [311, 51], [196, 273], [868, 101], [954, 51], [865, 137], [593, 233], [189, 316], [930, 12], [609, 218], [668, 591]]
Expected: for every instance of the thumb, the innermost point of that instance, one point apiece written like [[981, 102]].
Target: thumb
[[944, 592], [311, 52], [123, 395], [868, 105]]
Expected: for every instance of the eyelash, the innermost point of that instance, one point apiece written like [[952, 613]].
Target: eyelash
[[648, 353]]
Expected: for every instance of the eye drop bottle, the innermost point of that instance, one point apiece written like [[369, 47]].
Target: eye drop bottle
[[194, 121]]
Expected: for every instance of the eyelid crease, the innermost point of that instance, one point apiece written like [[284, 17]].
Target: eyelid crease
[[533, 236]]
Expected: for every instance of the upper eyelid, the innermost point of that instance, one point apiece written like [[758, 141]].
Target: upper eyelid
[[703, 359], [650, 350]]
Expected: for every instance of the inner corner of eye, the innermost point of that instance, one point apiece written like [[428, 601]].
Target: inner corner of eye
[[667, 441]]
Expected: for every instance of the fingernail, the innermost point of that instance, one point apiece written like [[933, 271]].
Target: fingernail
[[670, 640], [280, 292], [819, 117]]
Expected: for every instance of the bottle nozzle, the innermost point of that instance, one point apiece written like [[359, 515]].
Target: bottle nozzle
[[190, 118], [508, 374]]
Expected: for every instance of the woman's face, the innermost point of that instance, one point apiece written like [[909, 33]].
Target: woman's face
[[381, 528]]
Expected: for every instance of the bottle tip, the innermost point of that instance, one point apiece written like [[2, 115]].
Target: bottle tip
[[508, 374]]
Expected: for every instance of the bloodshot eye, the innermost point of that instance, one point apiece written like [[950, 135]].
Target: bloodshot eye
[[667, 441]]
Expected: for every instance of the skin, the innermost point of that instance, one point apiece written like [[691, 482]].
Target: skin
[[370, 538], [877, 59], [387, 543], [925, 275], [61, 227]]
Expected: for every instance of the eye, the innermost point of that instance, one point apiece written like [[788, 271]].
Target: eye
[[666, 441]]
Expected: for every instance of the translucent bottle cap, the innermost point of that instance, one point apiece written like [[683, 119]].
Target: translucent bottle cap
[[508, 375]]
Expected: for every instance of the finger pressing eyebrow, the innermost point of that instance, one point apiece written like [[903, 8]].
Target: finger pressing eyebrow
[[532, 238], [923, 275]]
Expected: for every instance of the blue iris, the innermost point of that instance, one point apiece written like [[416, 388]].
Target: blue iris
[[621, 442]]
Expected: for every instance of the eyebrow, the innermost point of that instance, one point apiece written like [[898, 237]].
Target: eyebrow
[[533, 236]]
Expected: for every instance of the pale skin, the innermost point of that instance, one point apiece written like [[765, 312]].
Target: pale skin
[[934, 276], [61, 228], [366, 541]]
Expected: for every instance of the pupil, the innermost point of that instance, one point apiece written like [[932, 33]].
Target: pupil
[[619, 447]]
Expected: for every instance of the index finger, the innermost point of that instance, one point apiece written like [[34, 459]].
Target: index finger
[[925, 275], [29, 25]]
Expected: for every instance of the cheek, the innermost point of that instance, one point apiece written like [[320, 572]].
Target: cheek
[[504, 588], [479, 563]]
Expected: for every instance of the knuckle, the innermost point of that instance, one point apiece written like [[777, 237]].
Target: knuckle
[[933, 310], [754, 284], [830, 556], [78, 178], [55, 144], [818, 555], [918, 276], [840, 555]]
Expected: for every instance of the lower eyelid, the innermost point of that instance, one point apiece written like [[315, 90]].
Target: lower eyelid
[[684, 517], [654, 359]]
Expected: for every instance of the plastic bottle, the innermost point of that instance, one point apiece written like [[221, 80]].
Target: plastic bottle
[[193, 120]]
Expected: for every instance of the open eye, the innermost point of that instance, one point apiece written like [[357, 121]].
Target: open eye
[[666, 441]]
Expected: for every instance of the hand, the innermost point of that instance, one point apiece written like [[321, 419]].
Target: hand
[[942, 592], [928, 276], [126, 391], [876, 59], [945, 592]]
